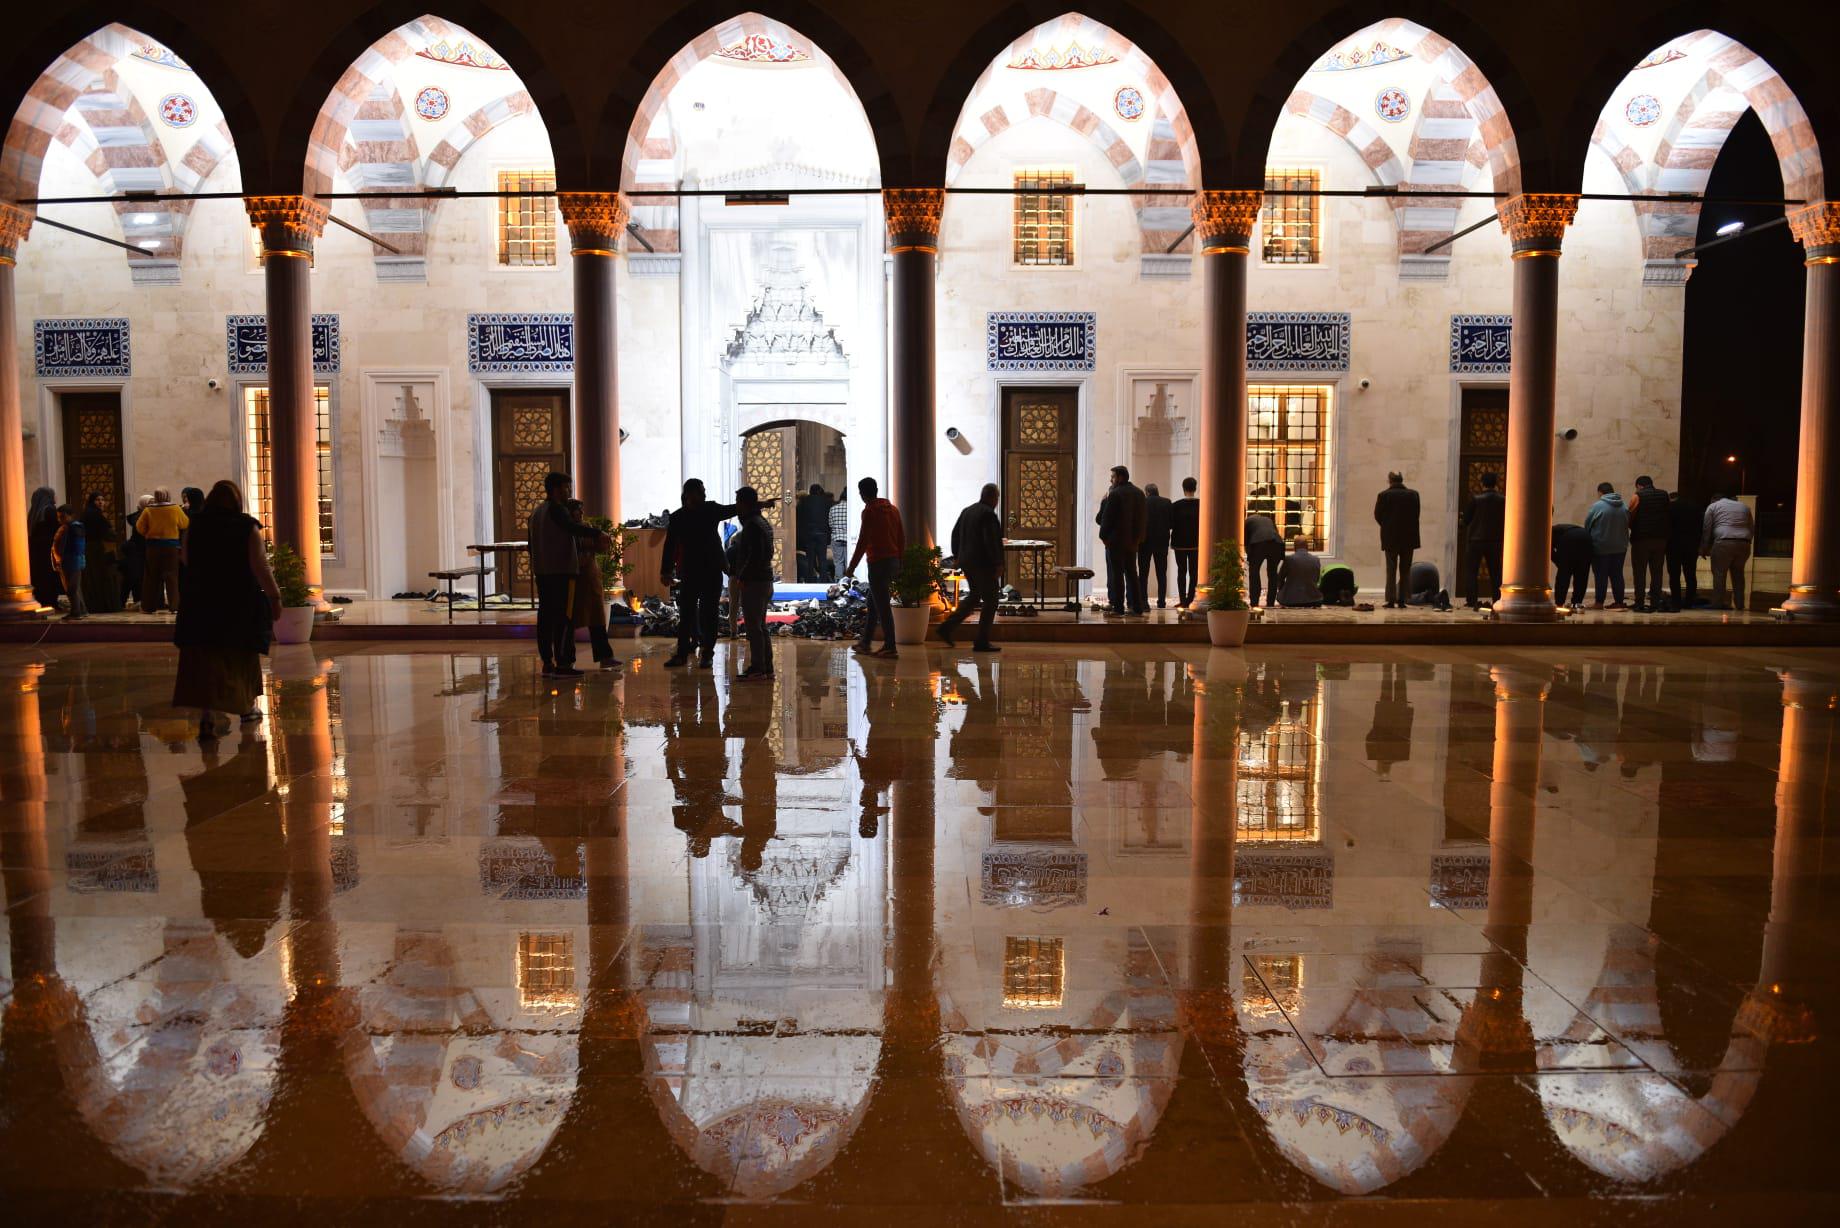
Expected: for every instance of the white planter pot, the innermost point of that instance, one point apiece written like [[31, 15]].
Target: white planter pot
[[1227, 628], [295, 626], [910, 623]]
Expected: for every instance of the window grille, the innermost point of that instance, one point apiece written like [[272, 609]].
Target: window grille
[[527, 220], [1034, 973], [1044, 220], [258, 443], [1290, 223], [546, 971], [1287, 434], [1278, 770]]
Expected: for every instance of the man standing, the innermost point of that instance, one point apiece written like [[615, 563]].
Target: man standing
[[1608, 524], [163, 523], [68, 556], [839, 517], [1571, 555], [555, 564], [693, 549], [882, 540], [1185, 540], [1648, 542], [1484, 527], [1158, 513], [813, 520], [753, 576], [1123, 519], [977, 544], [1264, 552], [1396, 512], [1725, 538], [1685, 519]]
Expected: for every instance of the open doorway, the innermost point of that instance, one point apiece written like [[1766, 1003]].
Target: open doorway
[[800, 463]]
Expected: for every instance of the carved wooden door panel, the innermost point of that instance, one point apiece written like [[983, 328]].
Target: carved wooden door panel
[[1040, 448], [530, 438], [1483, 449], [92, 450], [769, 457]]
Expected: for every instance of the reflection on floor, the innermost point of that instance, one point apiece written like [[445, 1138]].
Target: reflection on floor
[[1152, 927]]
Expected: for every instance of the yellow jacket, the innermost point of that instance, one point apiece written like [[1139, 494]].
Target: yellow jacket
[[162, 522]]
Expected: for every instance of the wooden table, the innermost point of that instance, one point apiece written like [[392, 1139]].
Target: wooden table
[[1037, 548], [513, 549], [645, 551]]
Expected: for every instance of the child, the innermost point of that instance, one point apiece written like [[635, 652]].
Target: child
[[67, 556], [590, 603]]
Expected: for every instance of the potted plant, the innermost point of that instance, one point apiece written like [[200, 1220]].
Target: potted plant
[[614, 569], [295, 625], [920, 579], [1227, 612]]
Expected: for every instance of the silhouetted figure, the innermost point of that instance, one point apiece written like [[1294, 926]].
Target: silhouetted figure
[[1154, 553], [693, 562], [229, 607], [1185, 540], [880, 539], [1396, 512], [1123, 521], [977, 545], [1649, 529], [1485, 525]]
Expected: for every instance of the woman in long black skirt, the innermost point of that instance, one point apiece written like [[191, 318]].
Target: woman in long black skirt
[[229, 604], [41, 527]]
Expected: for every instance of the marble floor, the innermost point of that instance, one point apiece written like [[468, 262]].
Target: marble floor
[[1141, 933]]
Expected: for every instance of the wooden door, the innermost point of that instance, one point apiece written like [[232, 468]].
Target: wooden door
[[530, 439], [92, 450], [1483, 449], [1040, 449], [769, 460]]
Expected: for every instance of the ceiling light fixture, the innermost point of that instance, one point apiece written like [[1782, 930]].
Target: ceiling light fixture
[[148, 244], [142, 219]]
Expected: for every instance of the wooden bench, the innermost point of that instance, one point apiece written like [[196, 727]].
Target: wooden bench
[[461, 573], [1073, 576]]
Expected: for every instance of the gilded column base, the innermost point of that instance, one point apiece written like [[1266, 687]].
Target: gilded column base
[[1529, 603], [17, 604], [1813, 603]]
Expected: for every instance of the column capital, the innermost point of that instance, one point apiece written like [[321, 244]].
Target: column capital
[[1535, 222], [289, 224], [596, 221], [1817, 228], [1224, 219], [15, 224], [913, 217], [1520, 682]]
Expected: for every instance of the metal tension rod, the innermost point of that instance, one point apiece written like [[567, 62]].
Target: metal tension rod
[[90, 234], [1746, 233], [1467, 230], [365, 234]]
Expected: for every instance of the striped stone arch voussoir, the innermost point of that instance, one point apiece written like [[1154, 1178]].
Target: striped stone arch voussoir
[[41, 114], [1463, 86], [704, 46]]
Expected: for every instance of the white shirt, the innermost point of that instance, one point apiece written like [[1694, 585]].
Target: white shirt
[[1726, 520]]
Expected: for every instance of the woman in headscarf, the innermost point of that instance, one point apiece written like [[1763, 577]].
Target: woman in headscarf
[[228, 607], [101, 579], [41, 527]]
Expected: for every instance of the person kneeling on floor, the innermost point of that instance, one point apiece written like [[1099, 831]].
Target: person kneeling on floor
[[1300, 579]]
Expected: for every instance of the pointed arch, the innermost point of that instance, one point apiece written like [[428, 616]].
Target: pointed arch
[[1726, 79], [366, 130], [82, 102]]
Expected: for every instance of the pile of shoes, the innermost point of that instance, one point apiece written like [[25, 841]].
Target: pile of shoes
[[657, 618], [839, 614]]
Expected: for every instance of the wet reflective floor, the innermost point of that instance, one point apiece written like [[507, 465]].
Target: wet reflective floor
[[1127, 934]]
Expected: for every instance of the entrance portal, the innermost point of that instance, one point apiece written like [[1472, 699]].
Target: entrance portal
[[1484, 450], [530, 438], [784, 461], [1040, 448], [92, 449]]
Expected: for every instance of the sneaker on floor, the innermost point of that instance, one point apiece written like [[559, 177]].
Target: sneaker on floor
[[887, 654], [985, 648], [611, 665], [676, 659], [565, 671], [707, 660], [1616, 605], [862, 650]]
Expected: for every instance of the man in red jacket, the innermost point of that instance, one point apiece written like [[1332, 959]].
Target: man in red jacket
[[880, 538]]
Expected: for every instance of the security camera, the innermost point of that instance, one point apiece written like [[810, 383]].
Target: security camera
[[952, 433], [1366, 383], [1569, 433], [212, 384]]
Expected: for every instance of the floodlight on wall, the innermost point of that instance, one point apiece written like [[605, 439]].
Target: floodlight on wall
[[1729, 229], [1569, 433]]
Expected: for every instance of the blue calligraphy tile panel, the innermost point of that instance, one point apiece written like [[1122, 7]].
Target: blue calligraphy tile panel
[[81, 347], [1297, 340], [246, 338], [1042, 340], [1481, 344], [521, 341]]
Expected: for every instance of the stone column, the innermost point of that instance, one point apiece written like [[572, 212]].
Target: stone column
[[1209, 971], [1223, 222], [913, 239], [1494, 1033], [288, 226], [1536, 225], [1814, 578], [16, 600], [597, 225]]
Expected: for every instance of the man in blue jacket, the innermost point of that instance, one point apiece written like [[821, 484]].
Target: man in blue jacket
[[1608, 524]]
